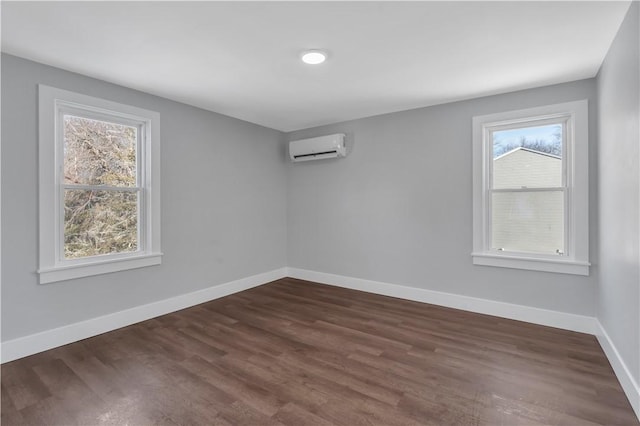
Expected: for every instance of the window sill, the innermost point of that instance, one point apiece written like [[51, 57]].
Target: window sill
[[561, 266], [62, 273]]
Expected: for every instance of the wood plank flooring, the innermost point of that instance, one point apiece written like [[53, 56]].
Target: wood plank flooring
[[295, 353]]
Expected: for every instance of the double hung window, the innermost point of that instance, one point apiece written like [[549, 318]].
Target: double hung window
[[531, 189], [99, 186]]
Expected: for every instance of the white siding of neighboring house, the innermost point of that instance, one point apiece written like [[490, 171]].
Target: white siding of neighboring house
[[527, 221]]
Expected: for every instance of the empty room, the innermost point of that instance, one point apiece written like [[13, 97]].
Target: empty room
[[320, 213]]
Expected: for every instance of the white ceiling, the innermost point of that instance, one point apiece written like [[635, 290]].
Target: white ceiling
[[242, 58]]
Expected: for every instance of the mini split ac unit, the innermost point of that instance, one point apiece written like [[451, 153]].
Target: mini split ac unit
[[329, 146]]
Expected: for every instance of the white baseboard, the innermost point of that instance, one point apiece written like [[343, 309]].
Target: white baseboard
[[34, 343], [579, 323], [629, 385]]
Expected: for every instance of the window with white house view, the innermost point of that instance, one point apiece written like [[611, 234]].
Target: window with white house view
[[527, 189], [99, 186], [531, 189]]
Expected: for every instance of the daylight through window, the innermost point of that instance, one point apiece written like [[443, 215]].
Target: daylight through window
[[528, 189], [101, 192]]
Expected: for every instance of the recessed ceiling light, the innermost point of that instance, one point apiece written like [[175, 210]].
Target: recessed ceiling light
[[314, 57]]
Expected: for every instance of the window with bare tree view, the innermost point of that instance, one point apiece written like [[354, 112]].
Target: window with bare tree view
[[100, 187]]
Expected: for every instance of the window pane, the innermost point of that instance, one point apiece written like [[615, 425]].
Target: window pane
[[98, 152], [99, 222], [528, 157], [528, 221]]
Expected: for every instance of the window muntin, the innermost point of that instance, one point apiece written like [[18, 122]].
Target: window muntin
[[546, 212], [99, 186]]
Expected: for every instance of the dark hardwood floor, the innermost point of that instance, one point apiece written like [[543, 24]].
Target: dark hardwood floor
[[296, 353]]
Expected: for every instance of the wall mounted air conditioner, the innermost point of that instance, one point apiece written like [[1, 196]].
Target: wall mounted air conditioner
[[329, 146]]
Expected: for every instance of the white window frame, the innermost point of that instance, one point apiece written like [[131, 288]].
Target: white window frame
[[53, 104], [575, 155]]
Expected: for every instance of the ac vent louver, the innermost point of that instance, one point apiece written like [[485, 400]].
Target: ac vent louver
[[330, 146]]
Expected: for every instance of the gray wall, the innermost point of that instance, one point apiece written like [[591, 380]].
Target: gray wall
[[223, 205], [398, 209], [619, 159]]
